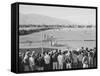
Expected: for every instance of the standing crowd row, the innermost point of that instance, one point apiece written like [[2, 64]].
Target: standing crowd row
[[57, 60]]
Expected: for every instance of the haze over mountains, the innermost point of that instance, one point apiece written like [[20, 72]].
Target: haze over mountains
[[26, 19]]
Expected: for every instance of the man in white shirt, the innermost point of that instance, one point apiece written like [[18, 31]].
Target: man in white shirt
[[26, 61], [60, 61], [85, 61], [32, 62], [47, 61]]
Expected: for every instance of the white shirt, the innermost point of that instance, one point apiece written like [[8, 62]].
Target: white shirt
[[47, 59], [31, 61], [25, 57], [60, 59], [67, 54]]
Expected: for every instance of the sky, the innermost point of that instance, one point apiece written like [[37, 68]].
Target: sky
[[76, 15]]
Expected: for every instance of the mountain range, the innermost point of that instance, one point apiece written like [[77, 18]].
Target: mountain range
[[26, 19]]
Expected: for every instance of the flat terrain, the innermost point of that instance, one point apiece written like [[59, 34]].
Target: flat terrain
[[67, 37]]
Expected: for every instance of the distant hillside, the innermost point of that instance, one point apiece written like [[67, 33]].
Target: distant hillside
[[26, 19]]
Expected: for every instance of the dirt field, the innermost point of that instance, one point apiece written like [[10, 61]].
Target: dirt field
[[73, 38]]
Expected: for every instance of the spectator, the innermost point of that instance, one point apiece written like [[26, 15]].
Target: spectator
[[74, 60], [32, 63], [47, 61], [60, 61], [26, 61], [68, 60], [54, 60], [85, 61], [80, 57]]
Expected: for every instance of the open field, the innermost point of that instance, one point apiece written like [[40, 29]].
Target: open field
[[68, 37]]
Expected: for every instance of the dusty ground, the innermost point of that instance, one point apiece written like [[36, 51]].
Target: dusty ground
[[73, 38]]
